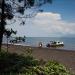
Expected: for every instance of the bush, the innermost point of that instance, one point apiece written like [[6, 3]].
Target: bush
[[55, 68], [26, 65], [14, 63], [51, 68]]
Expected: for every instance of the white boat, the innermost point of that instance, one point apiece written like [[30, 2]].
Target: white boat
[[55, 44]]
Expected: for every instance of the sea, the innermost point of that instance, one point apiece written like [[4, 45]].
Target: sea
[[69, 42]]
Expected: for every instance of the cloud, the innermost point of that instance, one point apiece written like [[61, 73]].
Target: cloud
[[46, 24], [51, 24]]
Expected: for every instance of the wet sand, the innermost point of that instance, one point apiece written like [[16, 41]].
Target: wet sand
[[66, 57]]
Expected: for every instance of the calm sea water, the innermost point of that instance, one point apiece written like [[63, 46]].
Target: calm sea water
[[69, 43]]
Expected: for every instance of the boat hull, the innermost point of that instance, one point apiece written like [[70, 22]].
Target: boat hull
[[54, 45]]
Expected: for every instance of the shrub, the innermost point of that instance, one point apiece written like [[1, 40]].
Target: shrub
[[26, 65], [14, 63]]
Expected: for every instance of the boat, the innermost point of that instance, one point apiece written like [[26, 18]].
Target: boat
[[55, 44]]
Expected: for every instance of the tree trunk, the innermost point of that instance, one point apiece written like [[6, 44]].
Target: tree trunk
[[1, 37], [2, 25], [7, 44]]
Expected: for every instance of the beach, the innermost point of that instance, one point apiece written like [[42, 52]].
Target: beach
[[63, 56]]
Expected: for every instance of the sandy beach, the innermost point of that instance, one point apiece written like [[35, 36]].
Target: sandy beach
[[63, 56]]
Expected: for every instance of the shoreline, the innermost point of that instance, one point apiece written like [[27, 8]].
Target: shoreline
[[66, 57], [58, 48]]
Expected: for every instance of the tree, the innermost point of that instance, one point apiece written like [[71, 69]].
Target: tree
[[8, 33], [7, 13], [2, 24]]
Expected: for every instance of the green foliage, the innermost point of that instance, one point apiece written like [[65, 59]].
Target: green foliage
[[13, 64], [8, 32], [50, 1], [21, 10], [31, 2], [55, 68], [28, 52], [20, 38], [50, 68]]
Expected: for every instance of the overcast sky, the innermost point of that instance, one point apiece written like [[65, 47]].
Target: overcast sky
[[57, 20]]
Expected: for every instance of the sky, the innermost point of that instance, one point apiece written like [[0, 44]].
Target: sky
[[57, 20]]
